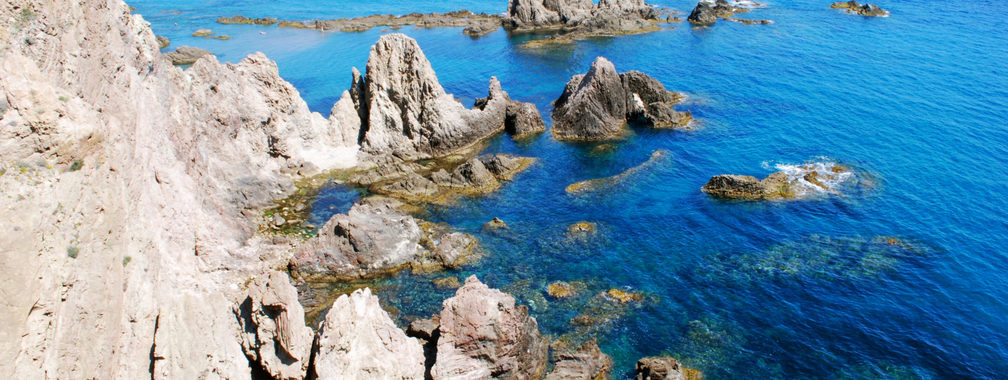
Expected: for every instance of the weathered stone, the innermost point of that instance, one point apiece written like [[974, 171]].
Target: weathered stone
[[495, 224], [359, 340], [275, 337], [450, 282], [186, 55], [587, 363], [664, 368], [523, 119], [703, 14], [202, 33], [375, 237], [163, 42], [597, 105], [485, 334]]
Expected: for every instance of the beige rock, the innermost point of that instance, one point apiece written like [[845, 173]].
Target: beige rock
[[276, 336], [358, 340], [485, 334]]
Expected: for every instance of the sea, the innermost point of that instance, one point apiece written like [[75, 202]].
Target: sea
[[898, 270]]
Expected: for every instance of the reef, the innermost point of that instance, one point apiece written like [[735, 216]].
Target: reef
[[475, 24], [597, 184], [596, 106], [853, 7]]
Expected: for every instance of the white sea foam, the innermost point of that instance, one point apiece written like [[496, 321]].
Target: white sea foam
[[830, 177]]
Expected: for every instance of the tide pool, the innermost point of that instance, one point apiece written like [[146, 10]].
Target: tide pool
[[905, 276]]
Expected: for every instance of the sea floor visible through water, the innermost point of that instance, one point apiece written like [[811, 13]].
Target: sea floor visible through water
[[901, 273]]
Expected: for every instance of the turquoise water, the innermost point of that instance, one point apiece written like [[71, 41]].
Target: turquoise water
[[916, 103]]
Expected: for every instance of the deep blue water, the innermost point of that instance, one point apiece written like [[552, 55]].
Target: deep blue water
[[916, 102]]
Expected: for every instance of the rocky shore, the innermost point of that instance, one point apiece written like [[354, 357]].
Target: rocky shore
[[596, 106], [160, 268]]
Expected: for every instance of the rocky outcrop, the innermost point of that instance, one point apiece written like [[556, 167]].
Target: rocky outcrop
[[597, 105], [357, 339], [664, 368], [745, 187], [476, 176], [707, 13], [186, 55], [163, 42], [523, 119], [408, 114], [853, 7], [275, 336], [475, 24], [484, 334], [588, 362], [793, 182], [611, 15], [377, 237]]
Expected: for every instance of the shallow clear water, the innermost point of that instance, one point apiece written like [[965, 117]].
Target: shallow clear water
[[915, 102]]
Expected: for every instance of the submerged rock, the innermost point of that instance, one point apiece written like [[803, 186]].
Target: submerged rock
[[186, 55], [357, 339], [597, 105], [376, 236], [587, 363], [275, 336], [484, 334], [476, 176], [664, 368], [581, 228], [563, 289], [608, 182]]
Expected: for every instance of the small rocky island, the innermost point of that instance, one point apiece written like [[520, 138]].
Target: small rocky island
[[597, 106], [706, 13], [799, 182], [853, 7]]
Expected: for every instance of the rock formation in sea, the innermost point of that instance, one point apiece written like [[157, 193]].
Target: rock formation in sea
[[707, 13], [406, 112], [378, 237], [588, 362], [795, 182], [853, 7], [484, 333], [597, 105], [664, 368], [596, 184], [581, 19]]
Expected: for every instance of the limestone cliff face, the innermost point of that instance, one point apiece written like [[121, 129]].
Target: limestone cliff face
[[125, 243]]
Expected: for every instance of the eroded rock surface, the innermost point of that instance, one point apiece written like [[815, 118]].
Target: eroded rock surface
[[408, 113], [588, 362], [707, 12], [853, 7], [476, 176], [377, 237], [483, 334], [793, 182], [185, 55], [276, 337], [358, 340], [664, 368], [476, 24], [597, 105]]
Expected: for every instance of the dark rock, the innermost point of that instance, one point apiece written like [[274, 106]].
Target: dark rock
[[523, 119], [596, 106], [592, 106], [186, 55], [854, 7], [703, 14], [664, 368], [587, 363], [238, 19]]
